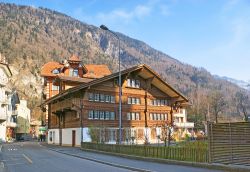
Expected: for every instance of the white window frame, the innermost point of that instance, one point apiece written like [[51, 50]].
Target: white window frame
[[102, 98], [107, 115], [96, 114], [91, 114], [101, 115], [91, 97], [112, 115], [128, 116], [97, 97], [129, 100], [112, 99]]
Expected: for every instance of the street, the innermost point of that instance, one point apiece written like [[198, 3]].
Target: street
[[32, 156]]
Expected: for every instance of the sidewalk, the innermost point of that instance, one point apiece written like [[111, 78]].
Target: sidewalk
[[135, 163]]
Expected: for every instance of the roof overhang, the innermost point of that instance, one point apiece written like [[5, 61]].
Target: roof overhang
[[143, 71]]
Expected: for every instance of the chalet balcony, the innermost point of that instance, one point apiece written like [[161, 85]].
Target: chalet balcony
[[11, 124], [2, 117], [184, 125]]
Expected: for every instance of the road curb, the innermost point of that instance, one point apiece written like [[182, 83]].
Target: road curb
[[103, 162], [229, 168]]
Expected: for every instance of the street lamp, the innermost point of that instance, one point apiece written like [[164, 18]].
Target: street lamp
[[120, 88]]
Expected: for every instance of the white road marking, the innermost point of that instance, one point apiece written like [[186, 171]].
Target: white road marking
[[1, 165], [16, 164], [27, 158]]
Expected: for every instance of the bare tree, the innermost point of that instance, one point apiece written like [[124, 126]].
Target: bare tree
[[242, 103], [217, 104]]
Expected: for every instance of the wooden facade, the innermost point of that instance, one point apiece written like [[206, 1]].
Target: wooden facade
[[147, 103]]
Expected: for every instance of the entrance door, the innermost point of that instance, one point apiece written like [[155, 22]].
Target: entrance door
[[73, 138]]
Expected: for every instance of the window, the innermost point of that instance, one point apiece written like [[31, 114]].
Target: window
[[166, 102], [157, 116], [102, 98], [162, 103], [107, 98], [112, 115], [96, 114], [129, 100], [101, 115], [75, 72], [91, 114], [107, 116], [133, 116], [133, 83], [55, 71], [159, 102], [129, 83], [70, 72], [138, 101], [128, 116], [55, 87], [137, 84], [151, 116], [137, 116], [162, 117], [133, 100], [96, 97], [91, 97], [112, 99]]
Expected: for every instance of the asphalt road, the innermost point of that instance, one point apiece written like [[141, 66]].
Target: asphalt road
[[33, 157]]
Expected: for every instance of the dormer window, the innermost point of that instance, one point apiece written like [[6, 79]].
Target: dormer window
[[55, 71], [73, 72]]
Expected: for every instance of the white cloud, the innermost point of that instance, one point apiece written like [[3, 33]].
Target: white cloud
[[139, 12]]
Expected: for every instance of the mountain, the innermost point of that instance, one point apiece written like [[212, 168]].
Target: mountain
[[30, 37], [240, 83]]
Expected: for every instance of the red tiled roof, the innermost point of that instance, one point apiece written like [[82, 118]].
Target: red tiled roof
[[97, 71], [93, 71], [47, 69], [74, 58]]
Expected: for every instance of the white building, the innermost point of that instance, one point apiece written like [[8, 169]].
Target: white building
[[5, 74], [23, 119], [181, 125]]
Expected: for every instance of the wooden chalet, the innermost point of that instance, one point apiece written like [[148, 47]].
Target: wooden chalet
[[67, 74], [89, 111]]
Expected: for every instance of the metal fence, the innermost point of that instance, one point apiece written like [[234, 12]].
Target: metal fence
[[229, 143], [173, 153]]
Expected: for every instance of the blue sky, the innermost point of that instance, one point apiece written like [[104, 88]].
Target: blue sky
[[214, 34]]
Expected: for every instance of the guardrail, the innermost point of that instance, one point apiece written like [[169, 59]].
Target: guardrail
[[171, 152]]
